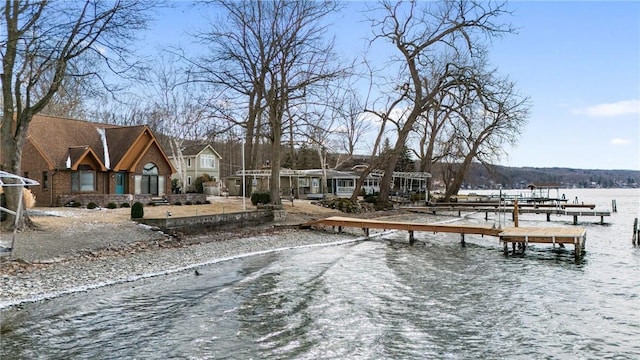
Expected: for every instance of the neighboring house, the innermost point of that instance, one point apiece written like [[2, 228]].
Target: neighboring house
[[75, 159], [199, 159], [304, 183]]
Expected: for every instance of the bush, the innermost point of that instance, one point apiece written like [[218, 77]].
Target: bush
[[198, 202], [199, 181], [137, 210], [344, 205], [188, 203], [261, 197], [111, 205], [125, 205], [177, 203], [371, 198], [92, 205]]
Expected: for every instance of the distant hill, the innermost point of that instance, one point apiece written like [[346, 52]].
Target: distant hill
[[479, 177]]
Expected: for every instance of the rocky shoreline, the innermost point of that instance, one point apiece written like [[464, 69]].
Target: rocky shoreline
[[88, 253], [28, 282]]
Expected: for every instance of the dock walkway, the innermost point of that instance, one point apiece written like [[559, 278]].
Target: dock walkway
[[514, 235], [509, 209]]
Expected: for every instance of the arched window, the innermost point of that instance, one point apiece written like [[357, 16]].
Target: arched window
[[150, 169], [150, 179]]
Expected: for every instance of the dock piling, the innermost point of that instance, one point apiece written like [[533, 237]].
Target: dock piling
[[614, 206], [636, 233]]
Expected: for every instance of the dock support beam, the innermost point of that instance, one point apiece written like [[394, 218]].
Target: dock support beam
[[575, 219], [548, 217], [412, 239], [462, 240], [366, 231]]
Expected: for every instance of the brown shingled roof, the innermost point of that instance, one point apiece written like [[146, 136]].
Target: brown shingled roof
[[61, 138], [119, 140]]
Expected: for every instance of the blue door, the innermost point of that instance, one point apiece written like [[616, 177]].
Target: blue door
[[120, 182]]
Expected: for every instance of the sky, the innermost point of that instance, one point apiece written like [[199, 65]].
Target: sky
[[579, 62]]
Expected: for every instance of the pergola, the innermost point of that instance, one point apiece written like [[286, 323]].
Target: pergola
[[407, 178], [12, 180]]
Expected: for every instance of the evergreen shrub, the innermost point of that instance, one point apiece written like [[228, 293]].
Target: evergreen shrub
[[137, 210], [262, 197]]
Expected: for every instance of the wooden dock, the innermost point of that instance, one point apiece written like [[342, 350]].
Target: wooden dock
[[521, 236], [525, 235], [509, 209]]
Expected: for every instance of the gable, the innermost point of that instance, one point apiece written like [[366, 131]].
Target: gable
[[67, 143], [130, 147], [84, 156]]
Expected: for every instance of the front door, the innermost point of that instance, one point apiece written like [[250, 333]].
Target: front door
[[120, 182]]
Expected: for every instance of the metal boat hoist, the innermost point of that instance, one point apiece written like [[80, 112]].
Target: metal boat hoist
[[12, 180]]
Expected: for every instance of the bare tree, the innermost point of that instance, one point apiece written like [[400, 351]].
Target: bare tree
[[494, 114], [266, 56], [434, 36], [180, 108], [48, 41]]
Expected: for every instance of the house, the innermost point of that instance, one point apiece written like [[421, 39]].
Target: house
[[304, 183], [198, 160], [82, 161]]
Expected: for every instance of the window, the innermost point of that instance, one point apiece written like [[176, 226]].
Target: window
[[150, 169], [345, 183], [83, 180], [188, 162], [188, 180], [303, 182], [45, 180], [150, 180], [207, 161]]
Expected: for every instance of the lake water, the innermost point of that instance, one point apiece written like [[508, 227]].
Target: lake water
[[366, 300]]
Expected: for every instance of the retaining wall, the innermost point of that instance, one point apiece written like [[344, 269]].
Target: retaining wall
[[207, 223]]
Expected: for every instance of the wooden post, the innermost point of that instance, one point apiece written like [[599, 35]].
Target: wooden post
[[577, 242], [636, 233], [614, 206], [340, 229], [575, 219], [515, 213], [548, 217], [366, 231], [486, 215], [506, 247], [411, 237], [462, 240]]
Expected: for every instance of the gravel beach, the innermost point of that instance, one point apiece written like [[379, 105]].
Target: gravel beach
[[79, 249]]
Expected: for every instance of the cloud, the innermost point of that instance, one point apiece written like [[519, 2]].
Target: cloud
[[620, 141], [626, 107]]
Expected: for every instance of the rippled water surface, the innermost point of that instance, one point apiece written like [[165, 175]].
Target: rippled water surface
[[369, 300]]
